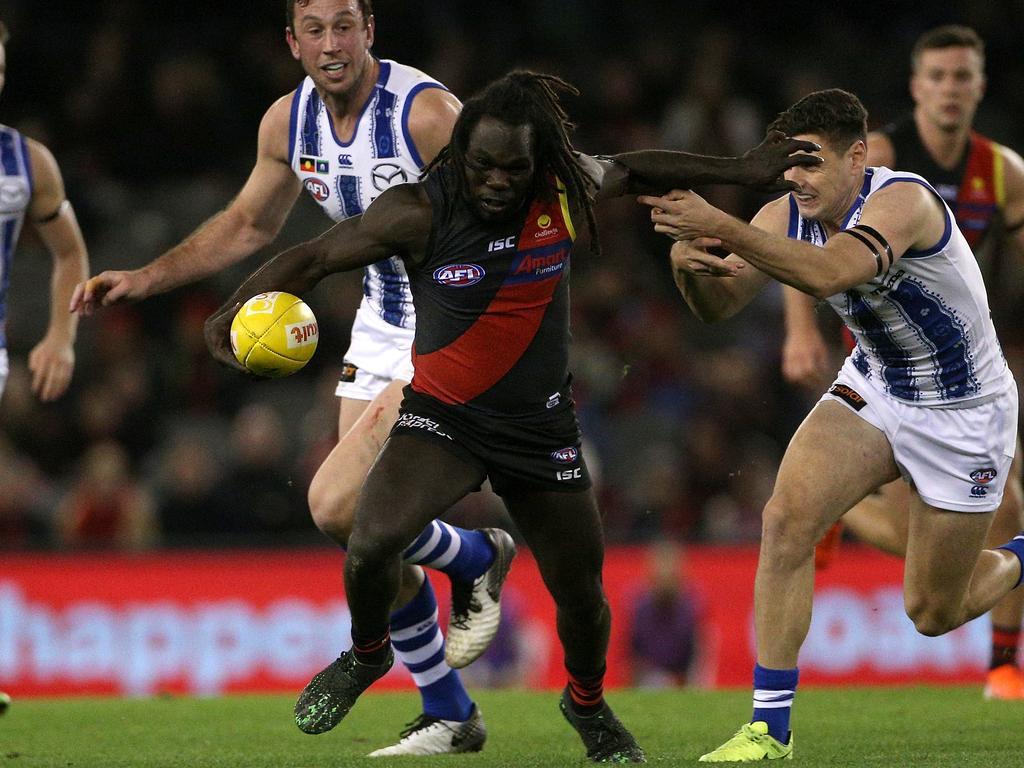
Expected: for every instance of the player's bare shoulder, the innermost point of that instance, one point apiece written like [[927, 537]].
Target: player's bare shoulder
[[47, 183], [432, 116], [275, 127], [774, 216]]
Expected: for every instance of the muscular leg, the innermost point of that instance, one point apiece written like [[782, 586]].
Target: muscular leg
[[1007, 523], [881, 518], [564, 532], [949, 579], [363, 426], [833, 461], [412, 482]]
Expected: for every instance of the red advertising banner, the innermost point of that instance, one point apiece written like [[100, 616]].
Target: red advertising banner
[[213, 622]]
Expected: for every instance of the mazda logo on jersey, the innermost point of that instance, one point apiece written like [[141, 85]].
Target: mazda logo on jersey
[[459, 275], [566, 455], [317, 189], [386, 175], [13, 195]]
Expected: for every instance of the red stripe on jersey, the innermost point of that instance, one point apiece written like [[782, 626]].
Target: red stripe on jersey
[[487, 351], [480, 357], [977, 198]]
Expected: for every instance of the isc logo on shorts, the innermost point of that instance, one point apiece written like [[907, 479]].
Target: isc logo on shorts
[[459, 275]]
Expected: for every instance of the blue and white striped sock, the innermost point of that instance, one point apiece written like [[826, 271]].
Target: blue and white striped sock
[[774, 690], [462, 554], [1016, 545], [418, 643]]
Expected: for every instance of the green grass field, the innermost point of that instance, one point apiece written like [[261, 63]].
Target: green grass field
[[834, 727]]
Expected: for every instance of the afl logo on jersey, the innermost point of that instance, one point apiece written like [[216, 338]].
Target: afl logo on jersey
[[459, 275], [317, 189], [566, 455]]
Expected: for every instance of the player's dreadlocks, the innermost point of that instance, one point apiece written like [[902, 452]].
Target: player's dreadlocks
[[528, 98]]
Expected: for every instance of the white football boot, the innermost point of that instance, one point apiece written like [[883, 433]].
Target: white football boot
[[428, 735], [476, 606]]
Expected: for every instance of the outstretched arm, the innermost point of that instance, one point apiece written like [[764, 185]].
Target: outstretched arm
[[906, 214], [52, 360], [398, 222], [657, 170], [251, 221]]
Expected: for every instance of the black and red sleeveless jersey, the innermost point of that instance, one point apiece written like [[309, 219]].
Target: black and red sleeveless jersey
[[973, 188], [492, 304]]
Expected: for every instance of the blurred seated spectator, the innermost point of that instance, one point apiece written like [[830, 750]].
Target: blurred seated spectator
[[666, 629], [265, 495], [106, 506], [191, 497], [23, 500]]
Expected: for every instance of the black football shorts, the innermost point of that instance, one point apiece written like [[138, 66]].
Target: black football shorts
[[520, 453]]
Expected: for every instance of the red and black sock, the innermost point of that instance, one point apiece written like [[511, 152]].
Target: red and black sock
[[373, 651], [1004, 646], [587, 692]]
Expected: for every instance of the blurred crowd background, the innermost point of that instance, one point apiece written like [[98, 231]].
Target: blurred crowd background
[[151, 110]]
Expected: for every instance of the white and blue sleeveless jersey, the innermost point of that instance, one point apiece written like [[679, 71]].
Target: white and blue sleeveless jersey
[[15, 195], [344, 178], [923, 330]]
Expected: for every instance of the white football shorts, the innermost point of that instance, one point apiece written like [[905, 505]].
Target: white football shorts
[[957, 458], [3, 371], [378, 354]]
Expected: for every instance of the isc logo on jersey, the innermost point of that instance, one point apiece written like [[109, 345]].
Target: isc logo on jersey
[[459, 275], [318, 189]]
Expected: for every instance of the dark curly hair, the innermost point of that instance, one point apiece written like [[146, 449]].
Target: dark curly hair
[[366, 6], [527, 98], [834, 114]]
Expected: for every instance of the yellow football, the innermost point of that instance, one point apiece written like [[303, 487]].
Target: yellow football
[[274, 334]]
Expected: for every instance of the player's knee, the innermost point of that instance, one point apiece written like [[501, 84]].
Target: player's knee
[[332, 507], [581, 598], [787, 538], [932, 618], [373, 545]]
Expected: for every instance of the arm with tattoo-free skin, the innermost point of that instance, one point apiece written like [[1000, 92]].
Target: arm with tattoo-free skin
[[251, 221], [255, 217], [655, 170], [397, 222], [805, 359], [905, 213], [52, 360]]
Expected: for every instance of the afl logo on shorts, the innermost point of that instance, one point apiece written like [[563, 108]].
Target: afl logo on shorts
[[318, 189], [459, 275], [982, 476], [566, 455]]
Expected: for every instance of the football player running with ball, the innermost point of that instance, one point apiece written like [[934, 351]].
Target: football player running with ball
[[355, 126]]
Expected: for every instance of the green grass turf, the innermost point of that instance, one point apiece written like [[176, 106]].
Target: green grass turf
[[834, 727]]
